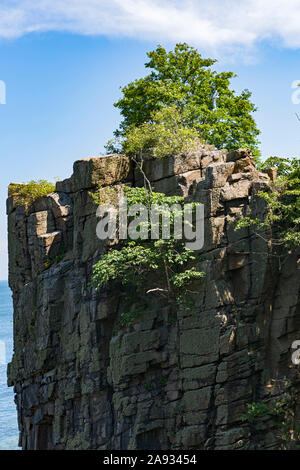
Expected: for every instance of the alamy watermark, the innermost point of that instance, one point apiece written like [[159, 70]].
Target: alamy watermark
[[296, 353], [296, 93], [180, 222], [2, 92]]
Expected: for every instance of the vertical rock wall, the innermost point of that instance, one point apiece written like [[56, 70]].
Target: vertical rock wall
[[172, 380]]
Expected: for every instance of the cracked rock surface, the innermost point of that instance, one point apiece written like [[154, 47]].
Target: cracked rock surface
[[160, 383]]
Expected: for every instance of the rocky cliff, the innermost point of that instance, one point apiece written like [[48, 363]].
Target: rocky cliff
[[168, 381]]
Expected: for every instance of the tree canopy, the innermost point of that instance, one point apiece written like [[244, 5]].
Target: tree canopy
[[182, 79]]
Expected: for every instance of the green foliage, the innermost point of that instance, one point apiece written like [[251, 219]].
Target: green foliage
[[285, 166], [143, 196], [257, 410], [171, 206], [58, 258], [28, 193], [283, 204], [164, 135], [245, 222], [106, 195], [48, 263], [181, 279], [161, 267], [283, 419], [183, 85], [133, 263]]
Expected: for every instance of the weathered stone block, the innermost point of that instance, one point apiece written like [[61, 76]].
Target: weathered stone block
[[104, 171], [217, 174]]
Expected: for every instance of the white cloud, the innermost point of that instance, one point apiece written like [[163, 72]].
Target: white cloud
[[213, 24]]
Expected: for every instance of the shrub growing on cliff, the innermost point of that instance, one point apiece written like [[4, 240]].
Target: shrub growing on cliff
[[281, 417], [28, 193], [133, 263], [162, 267], [203, 98], [283, 204]]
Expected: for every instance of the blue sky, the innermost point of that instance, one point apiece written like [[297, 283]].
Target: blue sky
[[64, 61]]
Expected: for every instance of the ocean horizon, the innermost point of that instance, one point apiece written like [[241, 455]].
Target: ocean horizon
[[9, 434]]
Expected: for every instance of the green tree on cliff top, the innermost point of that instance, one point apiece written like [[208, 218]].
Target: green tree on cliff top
[[183, 79]]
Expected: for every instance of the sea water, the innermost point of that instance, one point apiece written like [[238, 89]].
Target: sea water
[[8, 414]]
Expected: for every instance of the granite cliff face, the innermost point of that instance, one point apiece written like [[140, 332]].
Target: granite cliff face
[[168, 381]]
